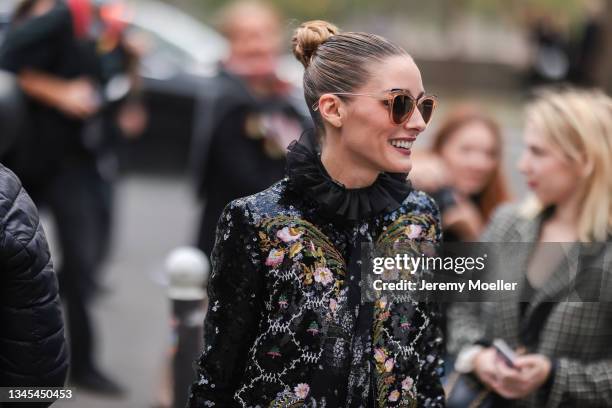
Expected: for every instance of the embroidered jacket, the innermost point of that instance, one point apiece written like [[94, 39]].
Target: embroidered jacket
[[286, 326]]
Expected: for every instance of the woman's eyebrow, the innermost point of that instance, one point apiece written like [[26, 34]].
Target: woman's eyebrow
[[407, 90]]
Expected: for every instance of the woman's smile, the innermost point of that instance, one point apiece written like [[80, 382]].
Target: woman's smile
[[402, 145]]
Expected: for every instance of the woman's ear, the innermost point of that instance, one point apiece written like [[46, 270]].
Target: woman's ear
[[331, 109]]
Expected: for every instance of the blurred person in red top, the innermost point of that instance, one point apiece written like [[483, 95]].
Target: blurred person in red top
[[53, 47]]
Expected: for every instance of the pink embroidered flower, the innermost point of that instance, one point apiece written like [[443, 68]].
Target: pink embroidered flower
[[333, 305], [288, 234], [323, 275], [407, 384], [282, 301], [380, 355], [414, 231], [389, 365], [382, 302], [301, 390], [394, 396], [274, 352], [313, 328], [312, 247], [275, 257]]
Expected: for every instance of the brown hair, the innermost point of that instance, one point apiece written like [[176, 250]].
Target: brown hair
[[22, 9], [496, 191], [335, 61]]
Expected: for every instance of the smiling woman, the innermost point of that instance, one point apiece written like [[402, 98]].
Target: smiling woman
[[286, 326]]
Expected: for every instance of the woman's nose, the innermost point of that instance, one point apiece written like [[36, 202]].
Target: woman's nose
[[416, 122], [523, 163]]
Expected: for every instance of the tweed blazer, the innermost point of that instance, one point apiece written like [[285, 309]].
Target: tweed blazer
[[576, 335]]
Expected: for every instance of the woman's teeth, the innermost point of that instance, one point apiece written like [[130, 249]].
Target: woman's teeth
[[404, 144]]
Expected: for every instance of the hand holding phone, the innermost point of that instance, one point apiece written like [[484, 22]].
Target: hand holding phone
[[505, 352]]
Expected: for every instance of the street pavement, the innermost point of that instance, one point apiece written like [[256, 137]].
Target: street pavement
[[132, 317]]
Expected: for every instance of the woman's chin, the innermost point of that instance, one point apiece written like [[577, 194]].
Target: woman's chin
[[399, 167]]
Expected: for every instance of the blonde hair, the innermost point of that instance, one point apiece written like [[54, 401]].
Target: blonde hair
[[579, 123]]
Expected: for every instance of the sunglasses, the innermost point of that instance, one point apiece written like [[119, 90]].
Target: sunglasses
[[400, 103]]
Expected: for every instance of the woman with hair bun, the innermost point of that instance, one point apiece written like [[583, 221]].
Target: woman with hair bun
[[287, 326]]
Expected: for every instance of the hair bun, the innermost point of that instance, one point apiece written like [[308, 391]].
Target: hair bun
[[308, 36]]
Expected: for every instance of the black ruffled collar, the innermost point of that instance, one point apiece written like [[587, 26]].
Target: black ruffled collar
[[307, 174]]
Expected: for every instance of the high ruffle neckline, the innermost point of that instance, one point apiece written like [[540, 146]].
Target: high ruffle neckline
[[307, 174]]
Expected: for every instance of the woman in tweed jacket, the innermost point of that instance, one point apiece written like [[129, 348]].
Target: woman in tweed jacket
[[565, 359]]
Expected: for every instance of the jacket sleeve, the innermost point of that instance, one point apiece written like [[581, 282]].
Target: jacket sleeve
[[235, 307], [581, 384], [32, 344], [430, 392]]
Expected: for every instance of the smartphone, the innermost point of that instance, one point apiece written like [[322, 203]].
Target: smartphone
[[505, 352]]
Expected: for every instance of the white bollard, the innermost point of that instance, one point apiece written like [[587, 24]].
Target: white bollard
[[188, 270]]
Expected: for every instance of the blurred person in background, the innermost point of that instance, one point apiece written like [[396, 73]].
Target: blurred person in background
[[462, 171], [563, 347], [33, 350], [589, 46], [55, 49], [550, 47], [286, 325], [247, 115]]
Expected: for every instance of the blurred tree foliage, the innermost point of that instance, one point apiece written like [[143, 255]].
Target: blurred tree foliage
[[437, 11]]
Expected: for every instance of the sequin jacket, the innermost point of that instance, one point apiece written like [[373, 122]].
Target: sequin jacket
[[281, 329]]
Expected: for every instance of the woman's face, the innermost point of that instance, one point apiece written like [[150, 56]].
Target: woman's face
[[254, 43], [550, 174], [367, 133], [470, 153]]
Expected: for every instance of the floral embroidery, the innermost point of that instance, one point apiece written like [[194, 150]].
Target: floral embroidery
[[304, 318], [407, 383], [313, 328], [394, 396], [389, 365], [333, 305], [274, 352], [301, 390], [413, 231], [282, 301], [380, 355], [275, 257], [295, 249], [323, 275], [289, 234]]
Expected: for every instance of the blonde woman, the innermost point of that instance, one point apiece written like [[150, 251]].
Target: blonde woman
[[564, 347]]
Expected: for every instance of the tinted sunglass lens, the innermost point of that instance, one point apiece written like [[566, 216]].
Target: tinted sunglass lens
[[426, 107], [402, 108]]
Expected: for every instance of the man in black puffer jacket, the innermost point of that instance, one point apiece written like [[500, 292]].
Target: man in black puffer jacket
[[33, 351]]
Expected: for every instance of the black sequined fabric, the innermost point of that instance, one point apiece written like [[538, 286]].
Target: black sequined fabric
[[285, 325]]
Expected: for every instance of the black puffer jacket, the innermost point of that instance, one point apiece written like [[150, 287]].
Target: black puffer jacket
[[32, 344]]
